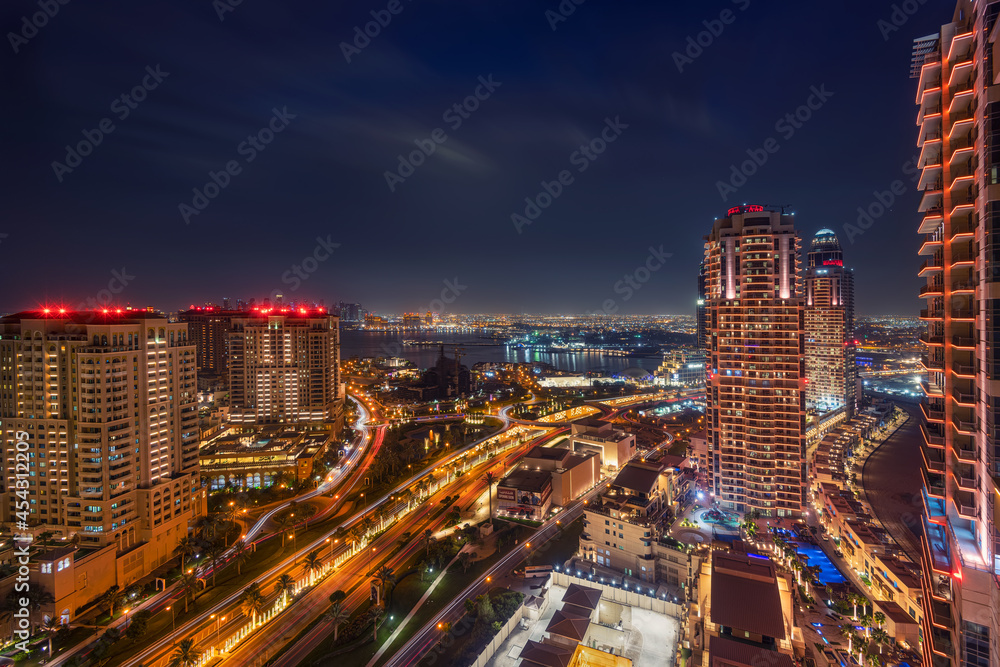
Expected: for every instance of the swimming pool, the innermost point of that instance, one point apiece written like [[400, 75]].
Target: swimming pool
[[813, 555]]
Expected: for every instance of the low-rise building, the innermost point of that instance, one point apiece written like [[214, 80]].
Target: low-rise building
[[525, 493], [682, 368], [256, 457], [573, 473], [743, 613], [615, 446], [625, 529]]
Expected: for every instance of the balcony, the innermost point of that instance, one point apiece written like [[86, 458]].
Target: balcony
[[933, 483], [963, 399], [967, 481], [965, 504], [963, 286], [933, 439], [932, 197], [932, 265], [963, 370], [929, 339], [932, 364], [963, 342], [931, 245], [933, 459], [931, 314], [966, 452], [934, 289]]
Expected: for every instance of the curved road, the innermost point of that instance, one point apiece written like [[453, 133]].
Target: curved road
[[891, 479]]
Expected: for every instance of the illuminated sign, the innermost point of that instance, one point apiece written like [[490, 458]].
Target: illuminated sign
[[833, 262], [746, 208]]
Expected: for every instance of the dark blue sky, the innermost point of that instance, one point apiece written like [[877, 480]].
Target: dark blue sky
[[323, 176]]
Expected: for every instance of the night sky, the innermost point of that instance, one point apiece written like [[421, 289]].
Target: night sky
[[114, 222]]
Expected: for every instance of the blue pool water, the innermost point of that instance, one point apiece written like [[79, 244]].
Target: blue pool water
[[828, 572]]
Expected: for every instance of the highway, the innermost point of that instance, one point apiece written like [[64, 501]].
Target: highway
[[425, 638]]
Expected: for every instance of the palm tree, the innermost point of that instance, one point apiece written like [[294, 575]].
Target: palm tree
[[284, 586], [880, 636], [112, 598], [312, 564], [336, 615], [862, 647], [240, 554], [185, 654], [185, 549], [491, 481], [367, 525], [428, 540], [879, 618], [851, 634], [252, 601], [188, 587], [866, 620], [283, 522], [214, 553], [854, 598], [51, 626], [750, 527], [422, 486], [385, 577], [38, 599]]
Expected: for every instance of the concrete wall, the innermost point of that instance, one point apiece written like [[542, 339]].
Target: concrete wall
[[499, 639], [630, 598]]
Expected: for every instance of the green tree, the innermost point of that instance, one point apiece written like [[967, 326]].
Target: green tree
[[214, 553], [337, 596], [284, 585], [336, 615], [185, 654], [188, 587], [112, 599], [384, 577], [241, 554], [491, 481], [312, 564], [252, 601], [185, 549], [138, 623]]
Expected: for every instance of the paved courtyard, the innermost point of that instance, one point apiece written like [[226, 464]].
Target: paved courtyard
[[704, 531], [651, 642]]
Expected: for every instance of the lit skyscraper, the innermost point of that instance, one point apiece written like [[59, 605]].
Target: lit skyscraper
[[959, 140], [106, 403], [829, 320], [754, 360], [284, 366]]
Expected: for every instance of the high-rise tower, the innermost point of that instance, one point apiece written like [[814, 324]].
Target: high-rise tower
[[754, 362], [959, 139], [829, 320], [284, 366], [105, 404]]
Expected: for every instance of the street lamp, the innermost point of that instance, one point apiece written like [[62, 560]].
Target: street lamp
[[173, 627]]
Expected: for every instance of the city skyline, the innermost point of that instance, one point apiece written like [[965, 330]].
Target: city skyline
[[317, 189]]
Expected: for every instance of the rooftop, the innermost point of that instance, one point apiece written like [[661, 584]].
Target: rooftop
[[727, 652], [547, 655], [527, 480], [569, 623], [745, 594], [638, 477], [582, 596]]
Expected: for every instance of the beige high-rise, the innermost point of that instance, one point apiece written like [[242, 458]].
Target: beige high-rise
[[755, 372], [107, 404]]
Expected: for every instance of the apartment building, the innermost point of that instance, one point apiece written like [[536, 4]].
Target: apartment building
[[755, 385], [104, 406], [829, 323], [958, 134], [284, 367]]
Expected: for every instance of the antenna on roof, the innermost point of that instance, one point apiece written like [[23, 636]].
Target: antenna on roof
[[781, 206]]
